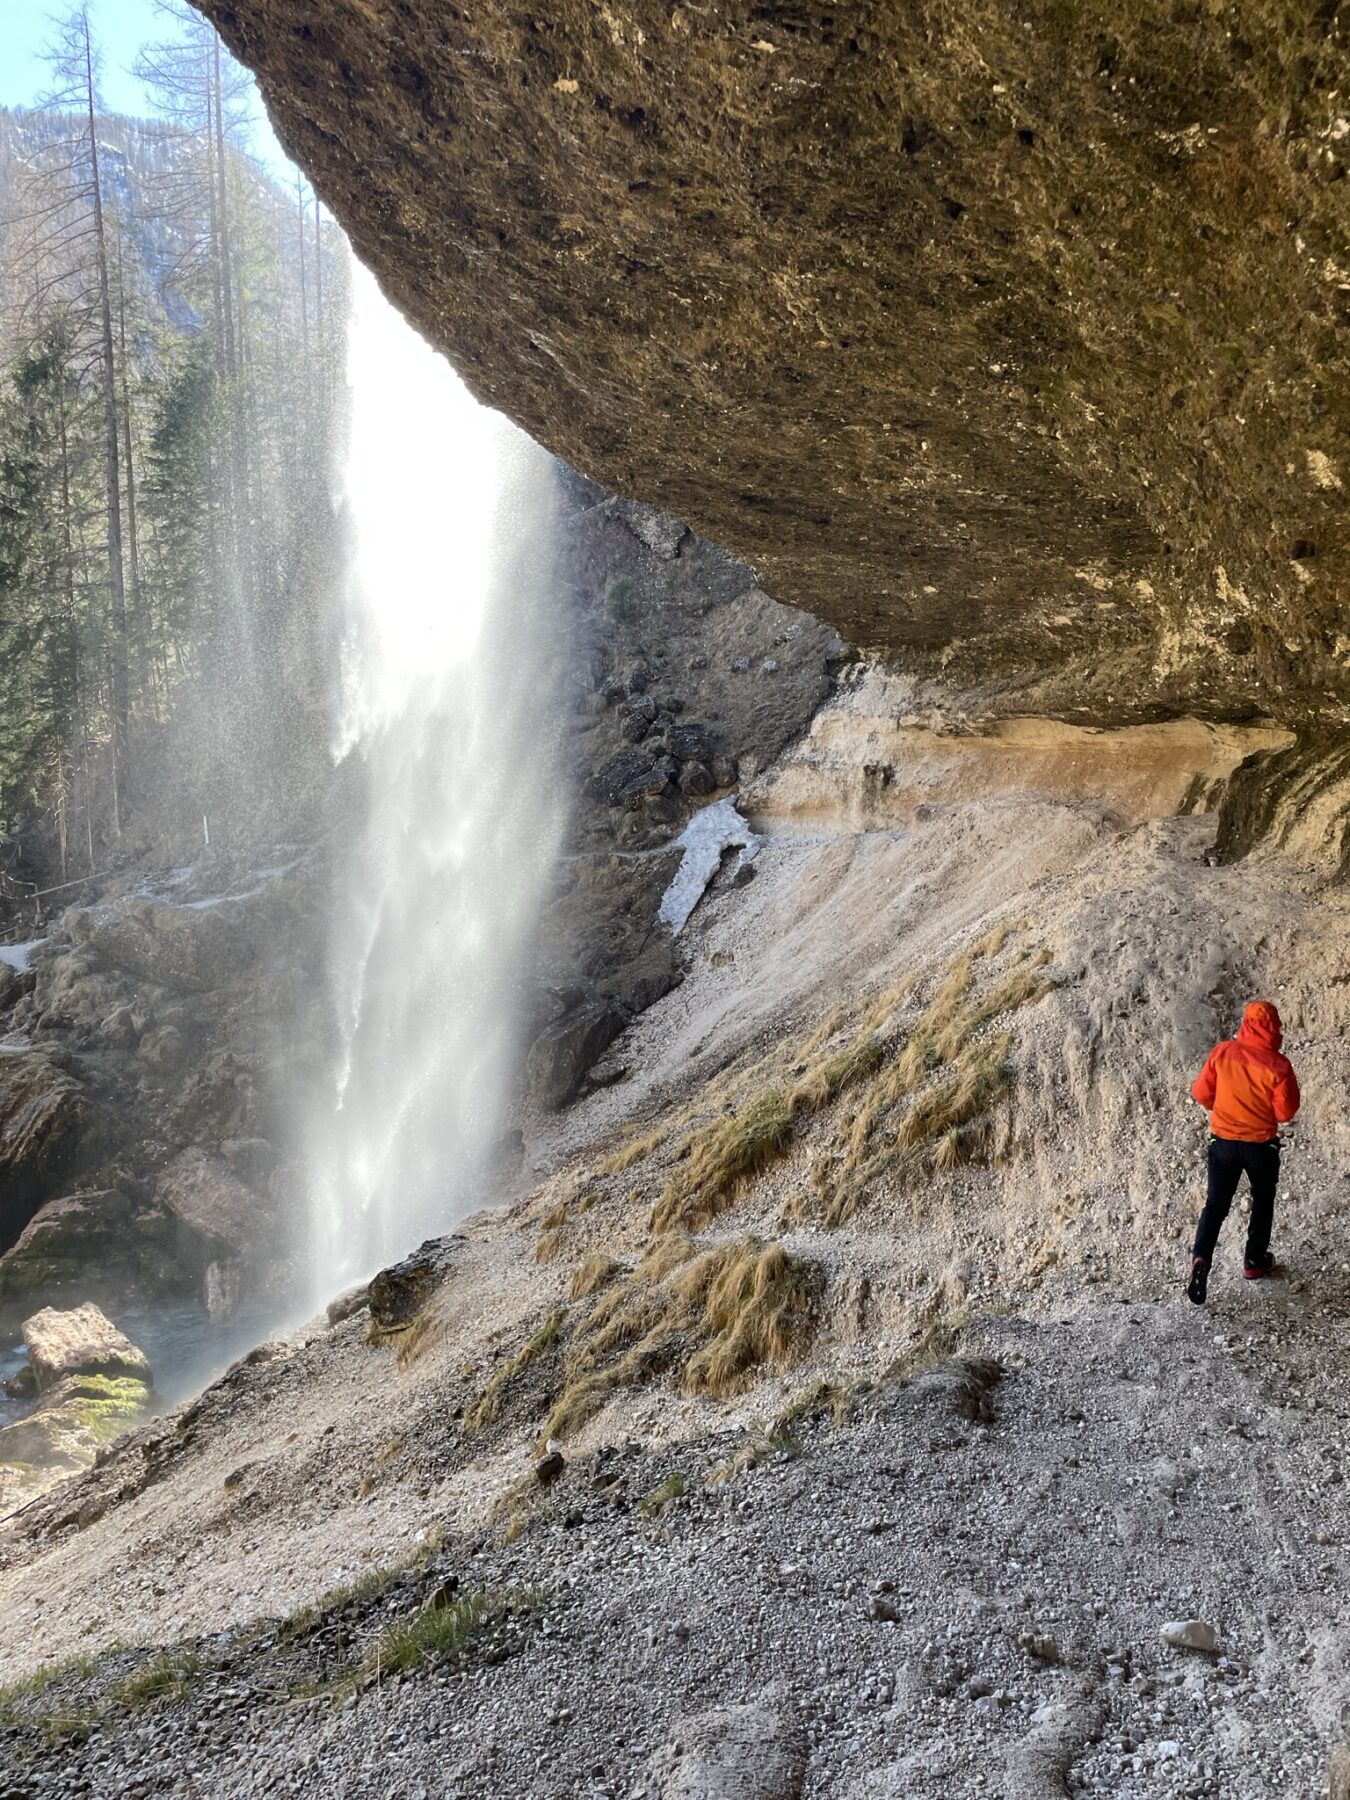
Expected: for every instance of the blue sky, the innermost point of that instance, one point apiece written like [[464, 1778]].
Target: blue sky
[[120, 27]]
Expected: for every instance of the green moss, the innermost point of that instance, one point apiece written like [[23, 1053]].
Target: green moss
[[107, 1405]]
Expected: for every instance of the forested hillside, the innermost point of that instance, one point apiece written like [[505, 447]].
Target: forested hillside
[[170, 322]]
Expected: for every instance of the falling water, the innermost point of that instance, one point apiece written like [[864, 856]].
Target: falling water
[[445, 730]]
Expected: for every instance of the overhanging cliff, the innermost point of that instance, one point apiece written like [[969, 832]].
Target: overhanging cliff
[[1012, 339]]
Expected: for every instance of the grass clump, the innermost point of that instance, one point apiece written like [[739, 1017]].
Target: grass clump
[[551, 1232], [30, 1687], [932, 1105], [674, 1487], [718, 1159], [589, 1277], [758, 1448], [426, 1331], [444, 1634], [488, 1406], [758, 1306], [168, 1676], [715, 1318]]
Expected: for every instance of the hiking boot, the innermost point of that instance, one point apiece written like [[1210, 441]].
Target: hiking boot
[[1259, 1268], [1198, 1285]]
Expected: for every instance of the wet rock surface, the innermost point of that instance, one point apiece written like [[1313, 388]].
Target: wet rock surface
[[50, 1126], [92, 1385]]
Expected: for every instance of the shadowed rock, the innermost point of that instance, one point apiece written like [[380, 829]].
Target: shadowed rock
[[1009, 339]]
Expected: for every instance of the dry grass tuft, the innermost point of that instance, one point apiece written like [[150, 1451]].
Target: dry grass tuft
[[934, 1105], [589, 1277], [718, 1160], [716, 1317], [552, 1228], [758, 1303], [426, 1331], [489, 1403]]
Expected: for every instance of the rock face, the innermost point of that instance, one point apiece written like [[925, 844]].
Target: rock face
[[95, 1238], [184, 948], [1014, 339], [562, 1053], [49, 1128]]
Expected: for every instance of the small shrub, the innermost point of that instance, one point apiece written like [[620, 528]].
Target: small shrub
[[445, 1634], [673, 1487], [589, 1277]]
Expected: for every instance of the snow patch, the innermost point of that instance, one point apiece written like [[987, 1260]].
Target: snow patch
[[708, 834], [19, 955]]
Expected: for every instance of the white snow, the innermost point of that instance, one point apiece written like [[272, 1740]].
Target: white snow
[[17, 955], [705, 837]]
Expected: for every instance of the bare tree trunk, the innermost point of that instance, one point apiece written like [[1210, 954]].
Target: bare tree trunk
[[226, 278], [72, 628], [120, 697], [133, 544]]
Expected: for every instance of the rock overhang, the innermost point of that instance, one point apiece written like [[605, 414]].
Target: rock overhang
[[1014, 341]]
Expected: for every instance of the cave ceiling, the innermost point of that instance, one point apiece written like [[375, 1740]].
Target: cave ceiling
[[1012, 340]]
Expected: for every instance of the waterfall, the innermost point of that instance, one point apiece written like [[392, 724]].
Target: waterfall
[[452, 797]]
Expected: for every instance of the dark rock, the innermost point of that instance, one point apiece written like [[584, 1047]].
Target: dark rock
[[561, 1055], [691, 743], [724, 771], [50, 1129], [442, 1595], [397, 1294], [618, 772], [82, 1237], [200, 1191], [118, 1031], [22, 1385], [696, 781], [656, 783], [183, 948], [549, 1467], [744, 875], [347, 1305]]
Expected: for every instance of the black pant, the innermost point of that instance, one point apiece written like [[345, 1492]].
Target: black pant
[[1227, 1160]]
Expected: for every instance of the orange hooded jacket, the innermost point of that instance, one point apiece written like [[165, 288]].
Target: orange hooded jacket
[[1250, 1089]]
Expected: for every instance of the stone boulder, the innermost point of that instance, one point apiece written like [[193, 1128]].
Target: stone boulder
[[397, 1294], [201, 1192], [81, 1237], [183, 948], [562, 1053], [81, 1341], [747, 1752], [92, 1384], [50, 1128]]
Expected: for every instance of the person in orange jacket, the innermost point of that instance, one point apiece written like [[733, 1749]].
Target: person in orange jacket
[[1250, 1090]]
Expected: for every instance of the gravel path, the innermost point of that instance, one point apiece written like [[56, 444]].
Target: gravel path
[[924, 1603]]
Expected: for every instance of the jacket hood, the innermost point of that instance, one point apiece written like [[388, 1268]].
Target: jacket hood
[[1261, 1025]]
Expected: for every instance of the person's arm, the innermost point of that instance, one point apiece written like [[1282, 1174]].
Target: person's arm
[[1206, 1084], [1287, 1097]]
